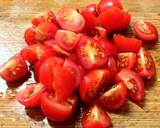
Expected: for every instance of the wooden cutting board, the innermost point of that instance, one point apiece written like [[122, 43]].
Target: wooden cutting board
[[15, 17]]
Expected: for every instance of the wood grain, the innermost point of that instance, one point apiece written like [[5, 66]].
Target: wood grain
[[15, 17]]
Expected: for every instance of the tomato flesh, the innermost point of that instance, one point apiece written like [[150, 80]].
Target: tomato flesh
[[31, 95], [95, 117], [57, 111], [134, 84], [145, 30], [14, 69], [114, 98]]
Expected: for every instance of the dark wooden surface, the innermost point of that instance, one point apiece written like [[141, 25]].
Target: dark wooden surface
[[15, 17]]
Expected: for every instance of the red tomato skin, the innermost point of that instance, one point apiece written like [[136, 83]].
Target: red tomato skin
[[89, 119], [63, 80], [28, 97], [36, 52], [145, 65], [145, 30], [125, 44], [93, 83], [90, 47], [114, 98], [57, 111], [92, 8], [131, 75], [46, 70], [106, 4], [126, 60], [30, 36], [14, 69], [37, 66], [114, 19], [48, 16]]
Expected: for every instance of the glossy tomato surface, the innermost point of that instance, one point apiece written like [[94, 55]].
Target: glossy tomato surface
[[95, 117], [14, 69], [31, 95], [90, 53], [93, 84], [70, 19], [114, 98], [134, 84], [46, 71], [145, 65], [125, 44], [145, 30], [58, 111], [30, 36]]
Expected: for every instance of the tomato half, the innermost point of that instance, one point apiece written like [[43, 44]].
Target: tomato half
[[145, 30], [95, 117], [36, 52], [70, 19], [48, 16], [114, 98], [57, 111], [90, 53], [93, 84], [67, 39], [31, 95], [63, 83], [134, 84], [106, 4], [126, 60], [14, 69], [46, 70], [125, 44], [114, 19], [145, 65]]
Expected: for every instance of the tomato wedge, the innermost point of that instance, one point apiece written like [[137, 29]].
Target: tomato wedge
[[57, 111], [70, 19], [14, 69], [93, 84], [125, 44], [90, 53], [114, 98], [145, 30], [134, 84], [31, 95], [95, 117], [145, 65]]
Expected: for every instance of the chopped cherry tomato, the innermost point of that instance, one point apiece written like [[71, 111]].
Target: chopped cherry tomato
[[112, 66], [108, 47], [125, 44], [145, 65], [114, 19], [73, 69], [93, 84], [134, 84], [30, 36], [14, 69], [46, 70], [67, 39], [55, 110], [70, 19], [37, 66], [95, 117], [101, 32], [59, 51], [126, 60], [36, 52], [63, 83], [31, 95], [48, 16], [114, 98], [145, 30], [46, 30], [90, 53], [105, 4], [92, 8]]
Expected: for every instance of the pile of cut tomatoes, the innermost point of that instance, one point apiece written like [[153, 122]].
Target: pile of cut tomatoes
[[81, 54]]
